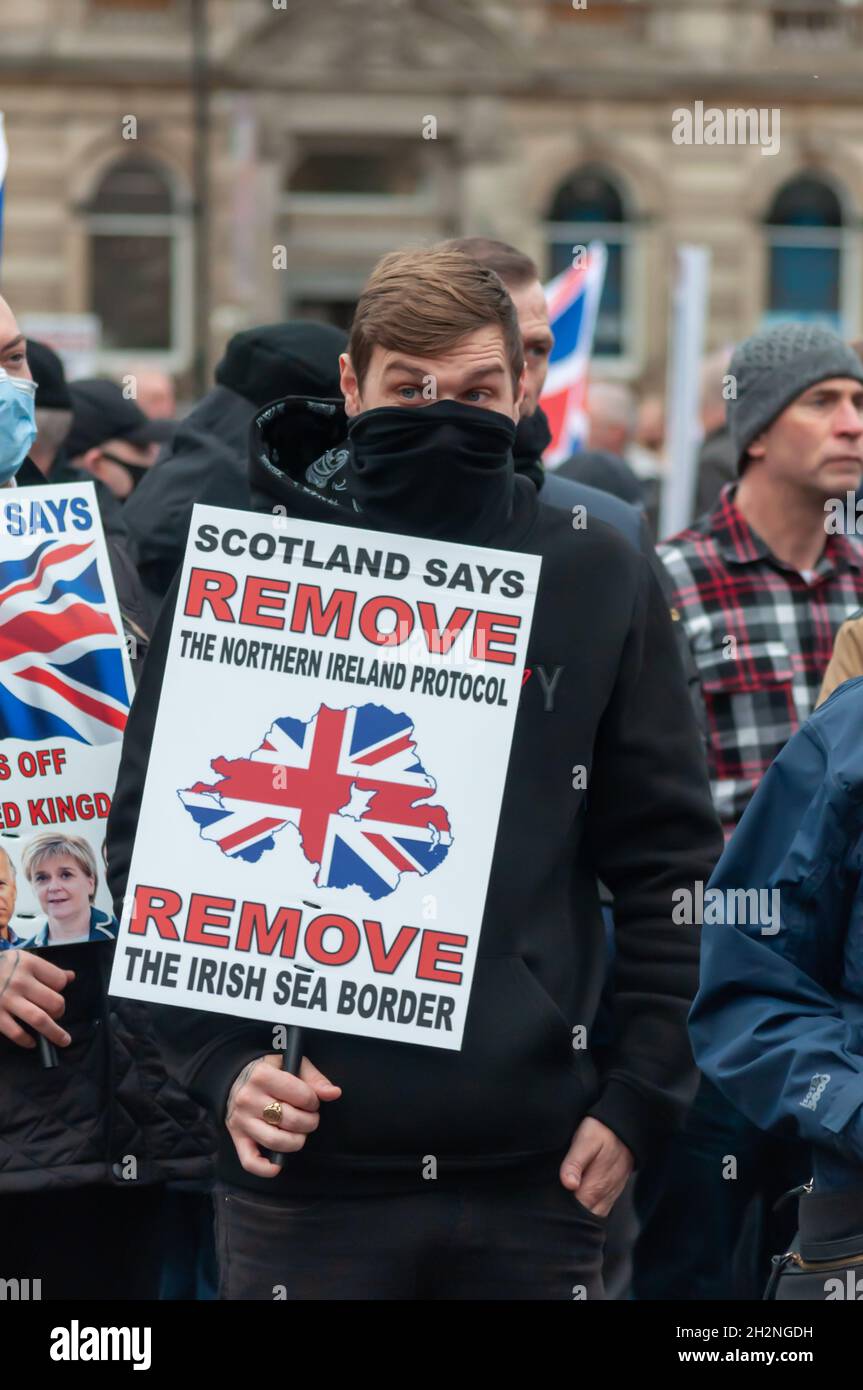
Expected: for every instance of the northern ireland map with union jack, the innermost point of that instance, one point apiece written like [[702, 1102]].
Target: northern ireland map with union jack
[[349, 780]]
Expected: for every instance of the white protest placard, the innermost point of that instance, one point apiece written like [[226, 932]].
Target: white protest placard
[[65, 690], [326, 774]]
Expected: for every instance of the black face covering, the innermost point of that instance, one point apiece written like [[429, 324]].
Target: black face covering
[[532, 437], [435, 470], [136, 471]]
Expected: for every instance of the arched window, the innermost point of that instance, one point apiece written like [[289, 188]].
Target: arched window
[[136, 269], [588, 206], [806, 259]]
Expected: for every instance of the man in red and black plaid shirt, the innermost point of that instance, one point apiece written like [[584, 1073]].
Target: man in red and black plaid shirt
[[761, 586]]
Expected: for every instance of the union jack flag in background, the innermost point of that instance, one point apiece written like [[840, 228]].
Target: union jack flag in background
[[349, 780], [573, 301], [61, 656]]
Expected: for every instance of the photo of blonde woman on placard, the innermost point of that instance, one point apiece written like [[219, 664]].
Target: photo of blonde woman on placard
[[62, 872]]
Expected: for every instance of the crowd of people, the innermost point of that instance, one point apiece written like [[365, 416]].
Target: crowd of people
[[689, 672]]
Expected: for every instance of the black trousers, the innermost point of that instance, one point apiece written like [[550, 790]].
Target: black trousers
[[84, 1242], [529, 1240]]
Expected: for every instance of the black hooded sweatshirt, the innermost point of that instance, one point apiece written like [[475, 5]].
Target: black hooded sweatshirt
[[604, 691], [205, 460]]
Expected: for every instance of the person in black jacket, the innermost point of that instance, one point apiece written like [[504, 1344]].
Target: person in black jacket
[[87, 1144], [530, 1144], [205, 460]]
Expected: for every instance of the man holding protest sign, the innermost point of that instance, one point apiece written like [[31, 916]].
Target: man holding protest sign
[[84, 1151], [433, 1151]]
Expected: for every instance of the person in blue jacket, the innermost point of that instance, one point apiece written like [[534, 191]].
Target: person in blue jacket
[[777, 1023]]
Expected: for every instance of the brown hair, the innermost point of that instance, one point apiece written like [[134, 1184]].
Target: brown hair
[[424, 302], [514, 268]]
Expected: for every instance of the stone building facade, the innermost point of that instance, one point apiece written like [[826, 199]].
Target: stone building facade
[[185, 168]]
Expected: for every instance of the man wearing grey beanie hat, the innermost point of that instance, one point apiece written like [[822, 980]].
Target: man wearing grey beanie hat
[[761, 585], [795, 416], [771, 369]]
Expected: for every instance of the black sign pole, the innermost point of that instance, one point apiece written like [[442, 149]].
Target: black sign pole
[[47, 1051], [292, 1053]]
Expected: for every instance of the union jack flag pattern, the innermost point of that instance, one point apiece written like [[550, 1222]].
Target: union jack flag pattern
[[573, 302], [61, 656], [351, 783]]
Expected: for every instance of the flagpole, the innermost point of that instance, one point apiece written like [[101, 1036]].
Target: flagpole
[[690, 290]]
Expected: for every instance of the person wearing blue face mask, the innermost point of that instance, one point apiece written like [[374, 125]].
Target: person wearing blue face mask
[[17, 398], [13, 348]]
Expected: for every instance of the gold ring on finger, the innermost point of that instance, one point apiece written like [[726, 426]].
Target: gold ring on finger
[[273, 1112]]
